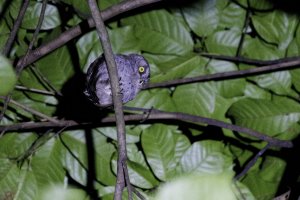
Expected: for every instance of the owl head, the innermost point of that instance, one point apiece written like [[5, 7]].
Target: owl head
[[141, 67]]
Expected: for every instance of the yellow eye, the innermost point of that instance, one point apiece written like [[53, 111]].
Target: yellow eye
[[141, 69]]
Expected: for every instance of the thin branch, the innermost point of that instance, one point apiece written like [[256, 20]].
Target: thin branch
[[33, 90], [76, 31], [32, 111], [7, 48], [252, 162], [44, 81], [246, 24], [117, 101], [226, 75], [154, 115]]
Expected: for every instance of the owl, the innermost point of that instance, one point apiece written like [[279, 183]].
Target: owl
[[133, 72]]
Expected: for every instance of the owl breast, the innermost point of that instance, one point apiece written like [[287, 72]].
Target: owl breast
[[98, 89]]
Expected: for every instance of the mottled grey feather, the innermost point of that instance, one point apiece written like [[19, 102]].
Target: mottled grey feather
[[131, 79]]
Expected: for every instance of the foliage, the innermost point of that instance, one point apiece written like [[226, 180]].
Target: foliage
[[172, 38]]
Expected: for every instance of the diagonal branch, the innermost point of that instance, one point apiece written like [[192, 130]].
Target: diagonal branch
[[9, 43], [117, 102], [32, 111], [253, 161]]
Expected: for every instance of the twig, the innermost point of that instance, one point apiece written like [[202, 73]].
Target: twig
[[44, 81], [154, 115], [117, 101], [252, 162], [227, 75], [33, 90], [40, 141], [32, 111], [7, 48], [246, 24], [74, 32]]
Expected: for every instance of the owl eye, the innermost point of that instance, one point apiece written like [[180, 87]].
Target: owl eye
[[141, 69]]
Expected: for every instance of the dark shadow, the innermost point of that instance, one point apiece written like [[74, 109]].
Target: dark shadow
[[5, 7], [73, 105], [290, 6], [290, 178], [91, 173]]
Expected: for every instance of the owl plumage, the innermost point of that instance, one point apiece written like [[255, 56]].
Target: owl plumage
[[133, 72]]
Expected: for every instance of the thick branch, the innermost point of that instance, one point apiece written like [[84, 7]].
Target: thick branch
[[117, 101], [154, 115]]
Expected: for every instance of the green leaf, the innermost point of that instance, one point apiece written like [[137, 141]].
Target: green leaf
[[228, 88], [179, 67], [57, 67], [47, 163], [18, 184], [7, 76], [198, 186], [77, 164], [205, 156], [202, 16], [257, 4], [266, 116], [167, 34], [223, 42], [276, 27], [232, 17], [255, 92], [59, 192], [33, 13], [278, 82], [154, 98], [159, 144], [258, 49], [14, 145], [132, 134], [139, 175], [296, 78], [196, 98], [103, 155], [264, 183]]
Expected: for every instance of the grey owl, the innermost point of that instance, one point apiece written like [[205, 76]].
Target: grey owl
[[133, 72]]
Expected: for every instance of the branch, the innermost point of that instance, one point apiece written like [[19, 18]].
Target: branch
[[226, 75], [117, 102], [33, 90], [76, 31], [246, 24], [252, 162], [32, 111], [15, 29], [150, 115]]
